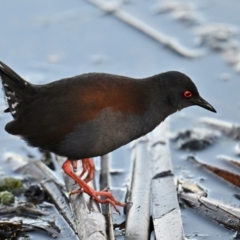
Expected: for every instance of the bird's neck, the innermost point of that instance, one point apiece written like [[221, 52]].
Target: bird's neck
[[159, 107]]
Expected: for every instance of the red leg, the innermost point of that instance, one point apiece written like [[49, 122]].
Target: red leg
[[91, 170], [88, 166], [91, 192]]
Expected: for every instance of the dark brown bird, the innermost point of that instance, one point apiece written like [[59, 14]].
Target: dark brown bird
[[93, 114]]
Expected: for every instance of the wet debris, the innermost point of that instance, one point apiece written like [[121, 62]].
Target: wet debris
[[226, 175], [10, 229], [189, 186], [229, 129], [27, 217], [6, 198], [10, 184], [195, 139], [23, 208], [169, 6], [8, 187], [37, 171], [16, 226], [222, 38], [167, 41], [224, 214], [216, 35], [183, 11], [35, 194]]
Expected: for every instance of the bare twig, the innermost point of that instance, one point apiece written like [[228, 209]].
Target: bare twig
[[222, 213], [229, 176], [22, 208], [105, 183]]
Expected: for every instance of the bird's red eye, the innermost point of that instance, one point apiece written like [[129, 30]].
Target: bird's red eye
[[187, 94]]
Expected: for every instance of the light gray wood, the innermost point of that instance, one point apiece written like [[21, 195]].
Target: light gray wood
[[165, 209], [137, 226], [153, 185], [90, 223], [105, 183], [222, 213]]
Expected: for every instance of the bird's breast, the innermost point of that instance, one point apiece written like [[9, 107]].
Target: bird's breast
[[105, 133]]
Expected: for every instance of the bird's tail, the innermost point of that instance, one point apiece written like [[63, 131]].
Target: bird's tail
[[18, 92]]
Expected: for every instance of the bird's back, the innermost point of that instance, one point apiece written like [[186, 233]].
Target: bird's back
[[84, 115]]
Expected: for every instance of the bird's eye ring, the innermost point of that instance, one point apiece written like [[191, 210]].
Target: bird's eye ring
[[187, 94]]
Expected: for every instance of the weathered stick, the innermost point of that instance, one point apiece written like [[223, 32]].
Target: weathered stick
[[165, 209], [105, 183], [138, 217], [153, 185], [222, 213], [90, 222]]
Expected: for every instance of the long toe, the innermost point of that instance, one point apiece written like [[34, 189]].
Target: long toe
[[96, 195]]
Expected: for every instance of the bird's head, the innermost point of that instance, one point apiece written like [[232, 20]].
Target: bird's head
[[181, 92]]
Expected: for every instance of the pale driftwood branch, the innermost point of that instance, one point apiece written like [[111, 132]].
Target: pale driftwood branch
[[167, 41], [105, 183], [90, 222], [165, 209], [224, 214], [138, 217], [153, 185]]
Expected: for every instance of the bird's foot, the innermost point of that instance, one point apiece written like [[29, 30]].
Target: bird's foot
[[77, 191], [87, 167], [108, 197], [96, 195]]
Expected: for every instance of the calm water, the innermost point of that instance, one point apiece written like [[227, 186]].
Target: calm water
[[48, 40]]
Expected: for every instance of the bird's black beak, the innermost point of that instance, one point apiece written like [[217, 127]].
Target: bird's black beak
[[202, 103]]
